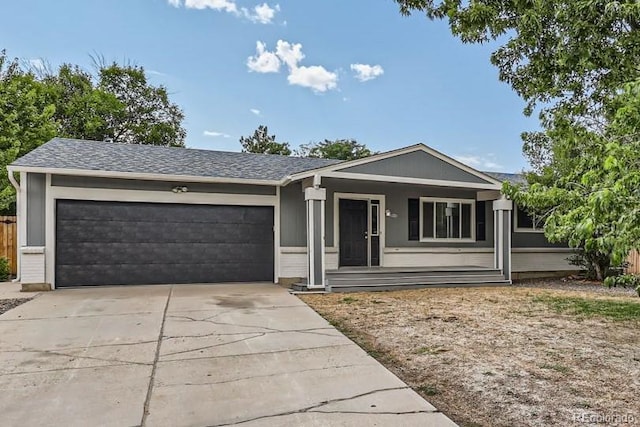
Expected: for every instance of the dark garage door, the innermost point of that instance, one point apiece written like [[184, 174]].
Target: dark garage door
[[117, 243]]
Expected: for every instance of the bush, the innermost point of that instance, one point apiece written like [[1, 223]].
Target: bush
[[5, 269], [625, 281], [594, 265]]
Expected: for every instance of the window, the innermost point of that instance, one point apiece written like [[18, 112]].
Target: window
[[527, 223], [447, 219], [375, 217]]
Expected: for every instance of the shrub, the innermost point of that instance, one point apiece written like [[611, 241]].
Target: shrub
[[625, 281], [5, 269]]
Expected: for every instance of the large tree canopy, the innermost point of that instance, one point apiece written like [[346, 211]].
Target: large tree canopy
[[118, 103], [579, 60], [576, 52], [590, 194]]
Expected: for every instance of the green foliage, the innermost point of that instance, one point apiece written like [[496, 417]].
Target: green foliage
[[263, 143], [5, 269], [118, 103], [591, 307], [625, 281], [574, 52], [589, 195], [340, 149], [26, 120]]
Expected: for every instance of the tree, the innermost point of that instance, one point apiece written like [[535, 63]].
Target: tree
[[341, 149], [573, 58], [263, 143], [118, 104], [590, 194], [26, 113], [566, 55]]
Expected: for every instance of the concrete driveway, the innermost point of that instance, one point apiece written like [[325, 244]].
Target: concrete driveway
[[191, 355]]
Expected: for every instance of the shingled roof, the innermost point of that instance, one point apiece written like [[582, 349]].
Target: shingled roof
[[74, 154], [513, 178]]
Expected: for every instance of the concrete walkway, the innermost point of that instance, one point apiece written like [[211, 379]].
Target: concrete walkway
[[189, 355]]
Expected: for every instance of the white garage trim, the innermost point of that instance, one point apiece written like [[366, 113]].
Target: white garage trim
[[114, 195]]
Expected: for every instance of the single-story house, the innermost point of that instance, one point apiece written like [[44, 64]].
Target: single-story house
[[101, 213]]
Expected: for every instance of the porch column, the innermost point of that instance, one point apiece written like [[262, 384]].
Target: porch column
[[502, 235], [315, 198]]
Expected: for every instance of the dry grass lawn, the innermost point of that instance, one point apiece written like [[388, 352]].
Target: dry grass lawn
[[503, 356]]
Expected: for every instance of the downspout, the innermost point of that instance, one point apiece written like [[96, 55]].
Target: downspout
[[16, 185]]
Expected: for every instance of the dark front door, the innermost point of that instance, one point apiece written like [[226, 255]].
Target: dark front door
[[353, 232], [118, 243]]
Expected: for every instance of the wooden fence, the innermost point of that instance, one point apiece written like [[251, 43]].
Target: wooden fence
[[634, 263], [9, 241]]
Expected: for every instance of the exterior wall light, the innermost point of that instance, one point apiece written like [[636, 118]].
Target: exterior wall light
[[389, 214]]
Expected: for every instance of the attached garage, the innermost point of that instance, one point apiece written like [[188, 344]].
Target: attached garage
[[124, 243]]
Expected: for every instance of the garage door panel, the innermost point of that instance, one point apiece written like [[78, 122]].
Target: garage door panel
[[149, 232], [101, 243], [151, 253], [152, 274]]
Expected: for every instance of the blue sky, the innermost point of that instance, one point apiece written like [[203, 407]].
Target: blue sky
[[345, 69]]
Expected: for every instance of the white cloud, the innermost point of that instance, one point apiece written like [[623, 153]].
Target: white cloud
[[263, 61], [223, 5], [262, 14], [289, 53], [365, 72], [487, 162], [256, 111], [315, 77], [215, 134]]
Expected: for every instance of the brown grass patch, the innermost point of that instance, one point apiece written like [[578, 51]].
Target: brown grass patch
[[501, 356]]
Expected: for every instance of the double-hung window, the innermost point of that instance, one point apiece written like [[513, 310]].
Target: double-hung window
[[447, 219]]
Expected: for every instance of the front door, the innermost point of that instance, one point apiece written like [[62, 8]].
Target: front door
[[354, 225]]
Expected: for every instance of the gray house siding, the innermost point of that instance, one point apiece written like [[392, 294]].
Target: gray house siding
[[416, 165], [293, 216], [397, 198], [36, 196], [132, 184]]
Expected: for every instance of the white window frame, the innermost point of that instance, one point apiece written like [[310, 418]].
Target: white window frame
[[435, 200], [518, 229]]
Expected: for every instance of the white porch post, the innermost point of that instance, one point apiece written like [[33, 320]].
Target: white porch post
[[502, 235], [315, 198]]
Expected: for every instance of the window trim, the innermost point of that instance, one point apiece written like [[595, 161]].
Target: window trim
[[518, 229], [435, 200]]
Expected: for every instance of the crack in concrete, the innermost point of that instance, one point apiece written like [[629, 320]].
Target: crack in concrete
[[78, 348], [216, 334], [78, 316], [251, 377], [422, 411], [147, 400], [64, 369], [316, 406], [55, 353], [258, 353], [216, 307], [256, 335], [272, 330]]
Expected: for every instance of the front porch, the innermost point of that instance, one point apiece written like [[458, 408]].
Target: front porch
[[364, 279], [406, 219]]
